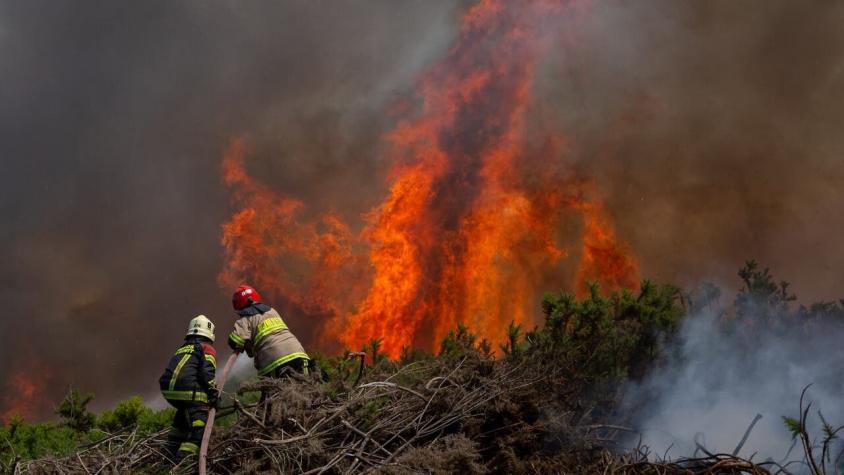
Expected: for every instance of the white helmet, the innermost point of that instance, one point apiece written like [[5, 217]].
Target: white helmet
[[201, 325]]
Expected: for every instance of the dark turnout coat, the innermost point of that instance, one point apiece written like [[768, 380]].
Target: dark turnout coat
[[190, 373]]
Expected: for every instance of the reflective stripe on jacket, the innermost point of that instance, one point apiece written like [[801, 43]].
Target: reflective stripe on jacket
[[190, 373], [266, 337]]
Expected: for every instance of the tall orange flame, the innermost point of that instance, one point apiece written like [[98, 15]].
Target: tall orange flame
[[470, 224], [266, 234]]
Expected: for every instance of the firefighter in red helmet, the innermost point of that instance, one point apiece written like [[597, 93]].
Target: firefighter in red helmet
[[261, 332]]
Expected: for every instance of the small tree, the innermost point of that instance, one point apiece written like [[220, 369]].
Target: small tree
[[512, 348], [456, 342], [761, 298], [74, 411], [373, 349]]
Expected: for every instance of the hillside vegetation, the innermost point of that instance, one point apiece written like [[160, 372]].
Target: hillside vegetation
[[545, 401]]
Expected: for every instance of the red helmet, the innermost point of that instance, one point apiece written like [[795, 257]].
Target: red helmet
[[242, 296]]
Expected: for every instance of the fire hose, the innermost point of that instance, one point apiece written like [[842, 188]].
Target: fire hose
[[209, 426]]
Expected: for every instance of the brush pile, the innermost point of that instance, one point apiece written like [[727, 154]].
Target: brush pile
[[470, 414]]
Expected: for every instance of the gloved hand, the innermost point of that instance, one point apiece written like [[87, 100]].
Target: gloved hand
[[213, 396], [234, 346]]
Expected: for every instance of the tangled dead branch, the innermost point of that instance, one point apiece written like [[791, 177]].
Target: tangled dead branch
[[470, 414]]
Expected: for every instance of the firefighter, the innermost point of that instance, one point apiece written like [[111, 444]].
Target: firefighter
[[261, 332], [188, 385]]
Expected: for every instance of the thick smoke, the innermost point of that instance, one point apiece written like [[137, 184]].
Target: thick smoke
[[720, 377], [711, 127], [113, 125]]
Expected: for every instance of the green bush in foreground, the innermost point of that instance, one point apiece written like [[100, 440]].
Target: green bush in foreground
[[132, 413], [21, 440]]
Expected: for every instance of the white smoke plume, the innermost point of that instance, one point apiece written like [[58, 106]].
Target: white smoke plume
[[243, 370], [719, 377]]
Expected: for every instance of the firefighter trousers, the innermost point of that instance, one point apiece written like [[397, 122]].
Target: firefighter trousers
[[300, 365], [188, 427]]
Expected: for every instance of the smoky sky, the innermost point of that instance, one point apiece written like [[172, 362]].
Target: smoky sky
[[713, 129], [114, 119], [710, 127]]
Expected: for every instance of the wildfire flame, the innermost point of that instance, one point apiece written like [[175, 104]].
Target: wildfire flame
[[471, 221], [24, 394]]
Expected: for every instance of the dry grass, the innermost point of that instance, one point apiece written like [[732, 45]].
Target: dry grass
[[469, 415]]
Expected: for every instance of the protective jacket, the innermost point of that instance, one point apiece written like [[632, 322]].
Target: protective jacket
[[262, 333], [189, 376]]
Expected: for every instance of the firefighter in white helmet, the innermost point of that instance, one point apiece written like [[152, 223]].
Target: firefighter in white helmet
[[188, 385]]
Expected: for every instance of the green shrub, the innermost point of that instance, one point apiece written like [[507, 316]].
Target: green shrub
[[616, 336], [21, 440], [133, 413], [458, 341]]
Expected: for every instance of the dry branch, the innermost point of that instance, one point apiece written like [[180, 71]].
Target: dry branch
[[469, 415]]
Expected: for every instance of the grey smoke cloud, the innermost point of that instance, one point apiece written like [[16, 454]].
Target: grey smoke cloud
[[719, 379]]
